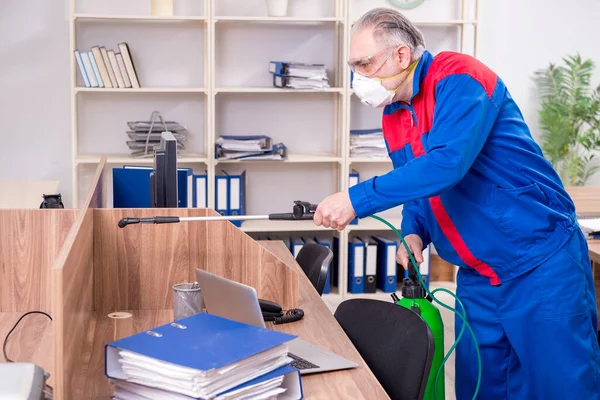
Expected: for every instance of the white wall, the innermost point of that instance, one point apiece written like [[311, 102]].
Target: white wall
[[34, 91], [520, 37], [516, 38]]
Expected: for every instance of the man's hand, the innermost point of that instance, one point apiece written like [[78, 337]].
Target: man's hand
[[415, 244], [335, 211]]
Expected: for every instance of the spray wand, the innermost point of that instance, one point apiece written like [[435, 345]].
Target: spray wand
[[303, 211]]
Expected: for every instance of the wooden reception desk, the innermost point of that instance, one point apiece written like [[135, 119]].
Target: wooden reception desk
[[101, 283]]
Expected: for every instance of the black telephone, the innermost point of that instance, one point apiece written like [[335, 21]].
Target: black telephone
[[272, 312]]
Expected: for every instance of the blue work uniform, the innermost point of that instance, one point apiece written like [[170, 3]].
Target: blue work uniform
[[473, 182]]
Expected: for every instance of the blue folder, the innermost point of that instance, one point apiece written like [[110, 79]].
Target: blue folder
[[208, 342], [387, 266], [131, 187], [237, 196], [356, 265]]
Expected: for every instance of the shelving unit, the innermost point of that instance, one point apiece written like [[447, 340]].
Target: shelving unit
[[208, 69]]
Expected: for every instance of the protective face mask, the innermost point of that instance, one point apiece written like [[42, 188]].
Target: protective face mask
[[371, 92]]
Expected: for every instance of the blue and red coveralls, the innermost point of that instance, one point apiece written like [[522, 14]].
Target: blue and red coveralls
[[473, 182]]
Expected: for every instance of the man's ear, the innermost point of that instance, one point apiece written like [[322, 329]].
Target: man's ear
[[403, 54]]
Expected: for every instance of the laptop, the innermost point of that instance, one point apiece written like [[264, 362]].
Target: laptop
[[239, 302]]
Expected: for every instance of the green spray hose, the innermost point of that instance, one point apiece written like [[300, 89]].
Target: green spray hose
[[461, 315]]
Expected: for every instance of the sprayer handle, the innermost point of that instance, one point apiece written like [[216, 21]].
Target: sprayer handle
[[154, 220]]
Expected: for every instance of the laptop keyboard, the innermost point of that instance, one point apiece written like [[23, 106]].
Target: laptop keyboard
[[301, 363]]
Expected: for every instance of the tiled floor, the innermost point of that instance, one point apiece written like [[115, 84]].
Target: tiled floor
[[447, 317]]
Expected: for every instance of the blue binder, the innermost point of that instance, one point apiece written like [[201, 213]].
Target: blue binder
[[222, 194], [327, 242], [353, 179], [237, 196], [131, 187], [387, 266], [200, 188], [206, 343], [356, 266]]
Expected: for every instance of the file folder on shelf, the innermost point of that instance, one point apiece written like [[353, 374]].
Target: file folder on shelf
[[356, 265], [222, 194], [327, 242], [200, 189], [131, 187], [237, 196], [370, 264], [353, 179], [336, 260], [387, 266], [180, 357]]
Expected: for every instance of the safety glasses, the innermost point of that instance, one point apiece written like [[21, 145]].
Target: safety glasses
[[369, 65]]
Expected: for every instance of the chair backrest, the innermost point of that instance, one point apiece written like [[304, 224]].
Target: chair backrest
[[395, 343], [314, 259]]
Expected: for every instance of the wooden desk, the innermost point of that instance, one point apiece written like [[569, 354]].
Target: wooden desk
[[318, 327]]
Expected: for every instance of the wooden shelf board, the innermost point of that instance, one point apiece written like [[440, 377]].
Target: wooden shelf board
[[353, 160], [156, 89], [281, 226], [121, 17], [274, 90], [292, 158], [128, 159], [277, 19]]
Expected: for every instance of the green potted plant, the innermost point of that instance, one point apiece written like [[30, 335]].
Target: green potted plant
[[570, 118]]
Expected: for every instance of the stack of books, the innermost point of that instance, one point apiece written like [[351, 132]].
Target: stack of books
[[298, 75], [203, 357], [142, 134], [259, 147], [102, 68], [368, 143]]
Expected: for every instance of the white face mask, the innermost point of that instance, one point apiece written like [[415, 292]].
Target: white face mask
[[372, 93]]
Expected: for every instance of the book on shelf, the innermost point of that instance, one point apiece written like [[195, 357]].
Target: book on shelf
[[102, 68], [294, 75]]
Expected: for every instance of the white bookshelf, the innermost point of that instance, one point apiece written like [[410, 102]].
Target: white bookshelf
[[207, 68]]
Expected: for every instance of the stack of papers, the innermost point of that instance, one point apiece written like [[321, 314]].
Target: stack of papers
[[249, 148], [144, 134], [295, 75], [203, 357], [368, 143]]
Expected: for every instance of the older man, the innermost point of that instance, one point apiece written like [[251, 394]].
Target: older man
[[473, 182]]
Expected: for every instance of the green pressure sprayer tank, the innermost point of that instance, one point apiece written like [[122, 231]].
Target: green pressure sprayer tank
[[414, 297]]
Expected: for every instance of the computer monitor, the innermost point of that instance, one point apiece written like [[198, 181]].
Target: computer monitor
[[163, 179]]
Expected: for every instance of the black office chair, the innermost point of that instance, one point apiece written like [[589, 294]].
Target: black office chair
[[314, 259], [395, 343]]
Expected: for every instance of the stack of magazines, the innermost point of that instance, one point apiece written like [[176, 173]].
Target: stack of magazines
[[299, 75], [144, 136], [259, 147], [367, 143]]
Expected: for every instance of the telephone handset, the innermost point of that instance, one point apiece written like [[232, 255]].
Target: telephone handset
[[272, 312]]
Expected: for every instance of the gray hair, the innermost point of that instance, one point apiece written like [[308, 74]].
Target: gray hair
[[393, 28]]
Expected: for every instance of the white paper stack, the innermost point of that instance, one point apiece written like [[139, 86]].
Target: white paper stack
[[368, 143]]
